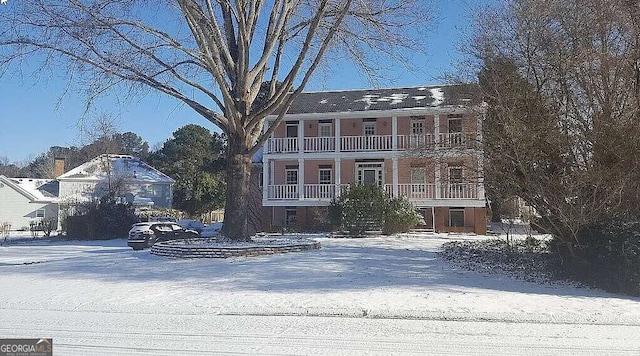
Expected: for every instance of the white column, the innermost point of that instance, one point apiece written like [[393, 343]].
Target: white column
[[395, 177], [338, 179], [300, 136], [436, 130], [337, 134], [265, 165], [265, 178], [301, 179], [437, 180], [480, 182], [394, 133]]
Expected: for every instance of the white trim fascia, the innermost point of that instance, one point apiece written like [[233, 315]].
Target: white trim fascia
[[378, 113]]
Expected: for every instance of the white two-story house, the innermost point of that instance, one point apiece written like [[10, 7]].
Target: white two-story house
[[420, 142]]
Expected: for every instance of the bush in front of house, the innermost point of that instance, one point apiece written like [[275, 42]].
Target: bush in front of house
[[366, 207], [608, 256], [400, 216], [106, 220]]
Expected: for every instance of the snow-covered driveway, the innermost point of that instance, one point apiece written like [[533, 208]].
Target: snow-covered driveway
[[105, 298]]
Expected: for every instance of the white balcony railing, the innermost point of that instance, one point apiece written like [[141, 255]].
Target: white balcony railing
[[459, 191], [282, 145], [366, 143], [372, 143], [319, 144], [283, 192], [326, 192]]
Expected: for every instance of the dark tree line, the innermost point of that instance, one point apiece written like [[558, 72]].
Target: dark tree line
[[562, 131]]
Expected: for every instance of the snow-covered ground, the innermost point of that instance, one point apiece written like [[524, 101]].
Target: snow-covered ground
[[380, 295]]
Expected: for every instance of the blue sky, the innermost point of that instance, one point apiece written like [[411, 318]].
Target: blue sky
[[34, 117]]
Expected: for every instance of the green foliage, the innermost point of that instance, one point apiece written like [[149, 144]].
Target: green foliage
[[609, 255], [366, 207], [400, 216], [106, 220], [194, 158]]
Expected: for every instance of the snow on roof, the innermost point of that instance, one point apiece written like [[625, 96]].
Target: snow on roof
[[456, 95], [38, 190], [117, 165]]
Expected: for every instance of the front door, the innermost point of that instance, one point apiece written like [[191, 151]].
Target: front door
[[370, 173]]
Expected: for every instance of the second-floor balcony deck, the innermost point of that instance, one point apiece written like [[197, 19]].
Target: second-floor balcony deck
[[371, 143], [414, 192]]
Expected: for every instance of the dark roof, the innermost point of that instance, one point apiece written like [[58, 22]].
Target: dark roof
[[458, 95]]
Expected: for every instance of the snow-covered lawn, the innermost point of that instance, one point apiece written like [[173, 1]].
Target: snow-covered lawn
[[380, 295], [390, 277]]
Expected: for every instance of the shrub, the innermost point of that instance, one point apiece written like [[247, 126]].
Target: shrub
[[400, 216], [608, 255], [366, 207], [107, 219]]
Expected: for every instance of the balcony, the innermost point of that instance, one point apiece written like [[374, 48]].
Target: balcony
[[414, 192], [372, 143]]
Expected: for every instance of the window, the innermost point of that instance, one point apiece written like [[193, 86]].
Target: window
[[290, 216], [455, 124], [325, 176], [325, 129], [417, 126], [260, 179], [456, 186], [418, 177], [456, 217], [292, 176], [369, 128], [417, 138], [292, 129], [40, 213], [455, 131], [455, 174]]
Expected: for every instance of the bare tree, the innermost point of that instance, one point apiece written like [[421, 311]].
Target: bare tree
[[212, 55], [563, 124]]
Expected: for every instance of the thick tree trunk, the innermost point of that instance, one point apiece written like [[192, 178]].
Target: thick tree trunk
[[238, 202]]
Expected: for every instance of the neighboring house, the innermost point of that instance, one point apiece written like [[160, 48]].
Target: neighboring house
[[24, 201], [127, 177], [419, 142]]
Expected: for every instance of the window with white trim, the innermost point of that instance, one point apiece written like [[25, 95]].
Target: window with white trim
[[292, 176], [369, 128], [417, 126], [455, 174], [291, 129], [325, 176], [455, 131], [290, 216], [40, 213], [418, 178], [456, 217], [325, 129], [455, 124]]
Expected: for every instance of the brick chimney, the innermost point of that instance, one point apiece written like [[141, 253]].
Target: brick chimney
[[58, 166]]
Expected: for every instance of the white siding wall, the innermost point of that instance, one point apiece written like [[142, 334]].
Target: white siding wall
[[16, 209], [83, 191], [76, 191]]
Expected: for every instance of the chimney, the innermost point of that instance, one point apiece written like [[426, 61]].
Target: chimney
[[58, 166]]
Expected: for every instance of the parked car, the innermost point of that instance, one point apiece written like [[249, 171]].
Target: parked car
[[162, 219], [192, 224], [145, 234]]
